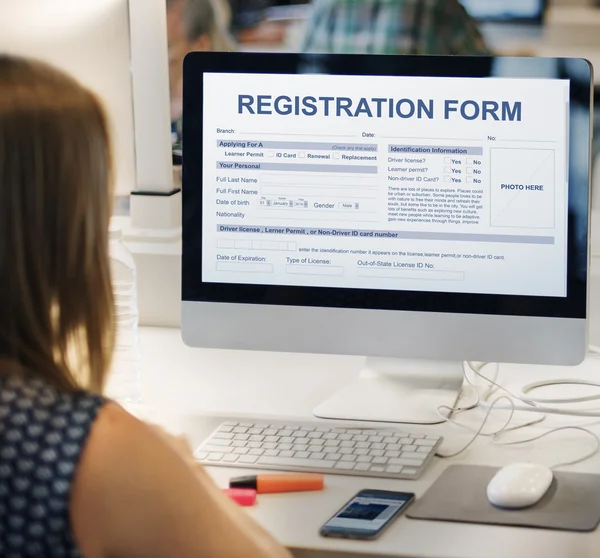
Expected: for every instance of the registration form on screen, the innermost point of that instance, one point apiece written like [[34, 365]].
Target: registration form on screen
[[387, 183]]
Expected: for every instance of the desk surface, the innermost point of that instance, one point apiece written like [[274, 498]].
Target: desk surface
[[204, 385]]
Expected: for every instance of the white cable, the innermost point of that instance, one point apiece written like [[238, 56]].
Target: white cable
[[554, 431], [506, 428]]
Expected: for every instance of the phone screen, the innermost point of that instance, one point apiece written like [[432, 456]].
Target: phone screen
[[367, 513]]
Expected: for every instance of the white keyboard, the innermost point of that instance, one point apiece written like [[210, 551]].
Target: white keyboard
[[386, 453]]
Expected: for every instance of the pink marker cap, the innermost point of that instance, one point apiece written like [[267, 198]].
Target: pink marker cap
[[242, 496]]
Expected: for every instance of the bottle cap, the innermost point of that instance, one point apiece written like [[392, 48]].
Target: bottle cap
[[115, 232]]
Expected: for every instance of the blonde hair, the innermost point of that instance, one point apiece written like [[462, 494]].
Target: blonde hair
[[56, 302]]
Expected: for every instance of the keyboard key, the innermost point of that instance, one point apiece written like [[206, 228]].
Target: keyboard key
[[350, 458], [315, 435], [362, 467], [360, 438], [240, 430], [302, 454], [392, 454], [346, 444], [333, 456], [364, 445], [425, 443], [410, 472], [361, 451], [201, 455], [334, 443], [242, 437], [255, 431], [287, 440], [380, 460], [390, 440], [284, 447], [345, 451], [239, 444], [406, 441], [270, 432], [223, 436], [393, 447], [314, 449], [424, 449], [406, 462], [319, 455], [232, 458], [379, 446], [346, 466], [254, 445], [287, 453], [394, 469], [377, 469], [217, 449], [218, 442], [314, 442], [285, 432], [344, 437], [299, 434], [301, 447], [330, 436], [294, 462], [272, 453], [376, 453], [214, 457], [226, 429], [269, 445], [375, 439], [271, 438], [364, 459], [250, 459], [241, 451], [411, 455], [246, 424], [256, 452], [256, 438]]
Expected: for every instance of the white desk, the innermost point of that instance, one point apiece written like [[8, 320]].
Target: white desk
[[183, 382]]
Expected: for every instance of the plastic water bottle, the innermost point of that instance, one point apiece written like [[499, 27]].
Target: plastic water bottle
[[124, 383]]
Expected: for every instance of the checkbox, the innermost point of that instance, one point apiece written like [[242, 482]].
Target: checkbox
[[301, 155], [448, 161], [336, 155], [448, 170], [469, 170], [447, 179], [270, 154], [470, 180]]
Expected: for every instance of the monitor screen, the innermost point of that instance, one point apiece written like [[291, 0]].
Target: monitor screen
[[452, 185], [506, 10], [384, 183]]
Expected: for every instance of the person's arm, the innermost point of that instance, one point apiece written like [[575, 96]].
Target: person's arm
[[136, 495]]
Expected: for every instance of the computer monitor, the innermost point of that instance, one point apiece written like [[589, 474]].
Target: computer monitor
[[426, 208], [520, 11]]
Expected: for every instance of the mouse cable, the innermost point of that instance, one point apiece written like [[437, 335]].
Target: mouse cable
[[495, 435]]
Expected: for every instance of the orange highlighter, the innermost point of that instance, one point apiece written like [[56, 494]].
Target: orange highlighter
[[276, 483]]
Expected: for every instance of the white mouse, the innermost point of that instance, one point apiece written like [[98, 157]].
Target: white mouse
[[519, 485]]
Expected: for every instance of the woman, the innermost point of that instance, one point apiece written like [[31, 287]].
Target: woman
[[78, 475]]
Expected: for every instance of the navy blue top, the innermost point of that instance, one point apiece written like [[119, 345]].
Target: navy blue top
[[42, 434]]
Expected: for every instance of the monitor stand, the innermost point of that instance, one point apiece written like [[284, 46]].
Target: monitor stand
[[398, 391]]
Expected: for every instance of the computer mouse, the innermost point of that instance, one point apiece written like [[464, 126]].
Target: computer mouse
[[519, 485]]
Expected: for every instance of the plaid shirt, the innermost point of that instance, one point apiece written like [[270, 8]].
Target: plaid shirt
[[392, 27]]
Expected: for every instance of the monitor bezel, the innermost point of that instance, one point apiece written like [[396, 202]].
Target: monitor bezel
[[194, 289]]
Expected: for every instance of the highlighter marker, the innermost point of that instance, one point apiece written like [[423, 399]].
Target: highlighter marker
[[242, 496], [271, 484]]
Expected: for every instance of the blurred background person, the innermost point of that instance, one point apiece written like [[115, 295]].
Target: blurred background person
[[392, 27], [250, 25], [193, 25]]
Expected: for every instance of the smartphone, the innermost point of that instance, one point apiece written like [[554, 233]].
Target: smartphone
[[367, 514]]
